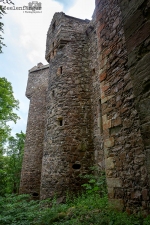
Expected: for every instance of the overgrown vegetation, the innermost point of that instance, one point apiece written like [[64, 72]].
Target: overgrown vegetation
[[11, 163], [82, 210], [11, 148], [7, 104], [89, 208]]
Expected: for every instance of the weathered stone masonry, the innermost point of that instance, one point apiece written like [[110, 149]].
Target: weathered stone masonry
[[68, 141], [33, 152], [92, 107]]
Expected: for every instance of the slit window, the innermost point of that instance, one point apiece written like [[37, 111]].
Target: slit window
[[61, 70], [53, 93], [93, 71], [60, 122]]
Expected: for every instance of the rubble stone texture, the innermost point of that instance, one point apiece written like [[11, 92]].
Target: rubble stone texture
[[90, 106], [33, 152]]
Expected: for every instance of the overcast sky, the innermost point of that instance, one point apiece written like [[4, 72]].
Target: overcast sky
[[25, 37]]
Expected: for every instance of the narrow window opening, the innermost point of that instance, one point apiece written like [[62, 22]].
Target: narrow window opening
[[76, 166], [93, 71], [60, 122], [100, 125], [53, 44], [61, 70], [53, 93]]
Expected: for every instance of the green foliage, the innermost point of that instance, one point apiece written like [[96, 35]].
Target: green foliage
[[14, 153], [7, 104], [7, 101], [17, 210], [86, 209], [10, 164], [14, 162], [20, 210], [3, 174], [96, 182]]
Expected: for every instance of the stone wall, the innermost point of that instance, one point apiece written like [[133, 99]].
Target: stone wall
[[92, 106], [68, 146], [123, 145], [96, 109], [33, 152], [136, 20]]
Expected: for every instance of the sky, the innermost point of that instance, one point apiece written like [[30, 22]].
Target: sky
[[25, 38]]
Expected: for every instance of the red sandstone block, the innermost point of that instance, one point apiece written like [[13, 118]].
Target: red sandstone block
[[107, 125], [122, 110], [116, 122], [106, 133], [105, 87], [106, 52], [100, 28], [103, 76]]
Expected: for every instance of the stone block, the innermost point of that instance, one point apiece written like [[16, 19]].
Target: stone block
[[127, 123], [116, 23], [100, 28], [105, 99], [117, 204], [109, 142], [114, 182], [116, 122], [115, 130], [104, 87], [103, 76], [111, 192], [109, 163], [136, 195], [145, 194], [106, 122], [106, 151]]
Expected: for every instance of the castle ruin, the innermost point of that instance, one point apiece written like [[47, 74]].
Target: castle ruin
[[91, 105]]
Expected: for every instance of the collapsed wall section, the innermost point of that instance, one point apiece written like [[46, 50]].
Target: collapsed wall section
[[33, 151]]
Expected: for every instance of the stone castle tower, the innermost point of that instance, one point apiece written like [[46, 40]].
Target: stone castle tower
[[90, 105]]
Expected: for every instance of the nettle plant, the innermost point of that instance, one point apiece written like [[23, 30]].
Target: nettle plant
[[95, 182]]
